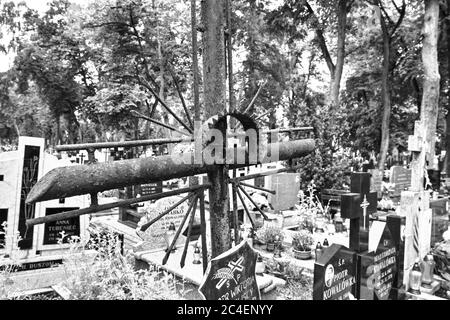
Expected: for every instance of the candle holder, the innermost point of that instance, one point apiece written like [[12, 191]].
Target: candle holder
[[197, 255], [260, 265], [318, 251], [428, 265], [169, 236], [415, 278]]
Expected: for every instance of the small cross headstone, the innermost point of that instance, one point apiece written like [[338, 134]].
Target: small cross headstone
[[231, 275], [357, 206], [335, 274]]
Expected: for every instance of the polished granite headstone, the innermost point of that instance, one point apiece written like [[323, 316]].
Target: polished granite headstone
[[380, 268], [335, 274]]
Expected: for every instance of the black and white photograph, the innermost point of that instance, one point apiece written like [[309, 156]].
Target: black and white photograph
[[225, 158]]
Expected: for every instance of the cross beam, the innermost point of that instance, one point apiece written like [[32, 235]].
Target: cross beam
[[87, 179]]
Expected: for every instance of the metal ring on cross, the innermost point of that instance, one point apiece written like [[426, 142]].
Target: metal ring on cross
[[251, 135]]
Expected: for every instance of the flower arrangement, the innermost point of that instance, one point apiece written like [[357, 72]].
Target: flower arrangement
[[309, 208], [269, 232], [302, 240]]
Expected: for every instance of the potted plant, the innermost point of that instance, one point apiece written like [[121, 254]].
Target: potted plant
[[268, 234], [302, 242]]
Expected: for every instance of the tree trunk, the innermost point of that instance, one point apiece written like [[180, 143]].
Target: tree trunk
[[430, 98], [386, 95], [58, 130], [337, 76], [447, 30], [335, 69], [215, 103]]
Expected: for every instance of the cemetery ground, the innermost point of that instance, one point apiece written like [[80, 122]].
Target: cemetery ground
[[292, 244]]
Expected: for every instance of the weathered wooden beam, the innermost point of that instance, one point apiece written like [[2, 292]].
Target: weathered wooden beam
[[245, 207], [203, 231], [159, 123], [177, 234], [258, 188], [235, 211], [253, 202], [92, 209], [147, 225], [188, 236], [106, 145], [85, 179]]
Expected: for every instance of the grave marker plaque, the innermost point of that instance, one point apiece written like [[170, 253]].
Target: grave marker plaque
[[52, 230], [231, 275], [151, 188], [335, 274]]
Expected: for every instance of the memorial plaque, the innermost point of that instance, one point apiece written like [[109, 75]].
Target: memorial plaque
[[401, 178], [151, 188], [27, 266], [335, 274], [379, 268], [52, 230], [231, 275]]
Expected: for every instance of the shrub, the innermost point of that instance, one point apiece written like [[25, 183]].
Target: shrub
[[112, 276], [309, 207]]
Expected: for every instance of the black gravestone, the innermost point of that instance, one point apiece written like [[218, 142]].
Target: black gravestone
[[3, 218], [380, 272], [231, 275], [357, 206], [150, 188], [52, 230], [335, 274]]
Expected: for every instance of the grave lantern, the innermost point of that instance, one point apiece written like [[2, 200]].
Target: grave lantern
[[197, 255], [415, 278], [319, 250], [170, 235], [428, 270]]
